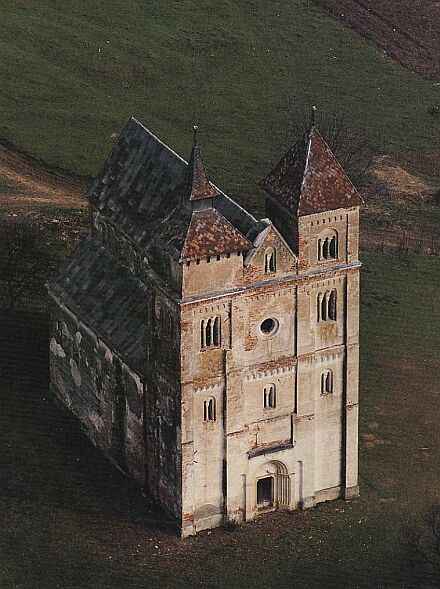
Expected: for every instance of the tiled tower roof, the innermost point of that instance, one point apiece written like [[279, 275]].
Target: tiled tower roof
[[209, 233], [309, 179], [196, 180]]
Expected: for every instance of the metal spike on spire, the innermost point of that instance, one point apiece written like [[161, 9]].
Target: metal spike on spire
[[195, 129], [312, 116]]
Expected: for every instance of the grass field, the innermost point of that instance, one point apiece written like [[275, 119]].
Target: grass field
[[72, 73], [69, 521]]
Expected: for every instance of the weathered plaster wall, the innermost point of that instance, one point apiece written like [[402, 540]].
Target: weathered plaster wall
[[130, 255], [255, 266], [345, 222], [162, 384], [329, 420], [99, 389], [163, 402], [212, 274], [308, 441]]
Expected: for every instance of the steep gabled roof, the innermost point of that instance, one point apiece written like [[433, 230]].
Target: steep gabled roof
[[209, 233], [142, 184], [106, 297], [309, 180]]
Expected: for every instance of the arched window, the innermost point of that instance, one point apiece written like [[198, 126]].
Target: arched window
[[332, 305], [328, 246], [326, 382], [209, 409], [270, 265], [269, 396], [327, 305], [210, 332], [333, 251]]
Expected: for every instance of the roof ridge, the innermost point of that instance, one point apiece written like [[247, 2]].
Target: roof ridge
[[157, 138], [306, 163]]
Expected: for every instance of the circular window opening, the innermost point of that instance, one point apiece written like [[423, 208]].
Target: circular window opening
[[269, 326]]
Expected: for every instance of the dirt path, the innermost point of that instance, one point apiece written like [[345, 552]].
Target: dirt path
[[26, 181]]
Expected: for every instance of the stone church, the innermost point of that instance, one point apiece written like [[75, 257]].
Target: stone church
[[214, 357]]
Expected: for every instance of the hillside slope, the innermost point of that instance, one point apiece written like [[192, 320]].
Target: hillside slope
[[407, 30], [72, 73]]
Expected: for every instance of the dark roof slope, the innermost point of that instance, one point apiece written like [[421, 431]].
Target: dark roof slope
[[142, 184], [309, 179], [107, 298]]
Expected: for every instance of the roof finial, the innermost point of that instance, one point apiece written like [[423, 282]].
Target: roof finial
[[195, 129], [312, 116]]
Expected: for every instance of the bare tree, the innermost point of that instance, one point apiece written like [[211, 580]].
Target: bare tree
[[349, 144], [22, 265]]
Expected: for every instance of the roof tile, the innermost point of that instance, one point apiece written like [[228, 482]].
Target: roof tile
[[309, 179], [209, 233]]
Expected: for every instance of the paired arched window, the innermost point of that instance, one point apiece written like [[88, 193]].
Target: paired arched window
[[269, 396], [209, 409], [326, 305], [270, 262], [328, 246], [210, 332], [326, 382]]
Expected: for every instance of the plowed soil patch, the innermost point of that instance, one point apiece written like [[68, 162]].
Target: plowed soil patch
[[407, 30], [25, 181]]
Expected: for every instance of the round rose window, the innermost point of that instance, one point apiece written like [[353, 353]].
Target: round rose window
[[269, 326]]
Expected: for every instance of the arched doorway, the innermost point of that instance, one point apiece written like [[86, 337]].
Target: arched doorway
[[273, 487]]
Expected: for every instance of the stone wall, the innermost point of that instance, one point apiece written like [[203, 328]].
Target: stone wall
[[163, 405], [161, 432], [98, 388]]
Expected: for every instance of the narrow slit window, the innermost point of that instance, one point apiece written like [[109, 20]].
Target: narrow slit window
[[324, 307], [334, 247], [210, 332], [270, 261], [332, 305], [328, 247], [327, 382], [209, 409], [327, 306], [216, 333], [269, 396]]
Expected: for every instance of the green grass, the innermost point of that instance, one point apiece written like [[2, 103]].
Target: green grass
[[411, 219], [72, 73], [71, 522]]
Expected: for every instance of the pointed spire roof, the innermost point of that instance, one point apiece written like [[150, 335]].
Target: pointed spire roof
[[309, 179], [196, 231], [196, 182]]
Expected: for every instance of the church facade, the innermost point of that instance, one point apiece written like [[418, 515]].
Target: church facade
[[214, 357]]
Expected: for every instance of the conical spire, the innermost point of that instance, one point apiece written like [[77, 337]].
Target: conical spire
[[197, 184]]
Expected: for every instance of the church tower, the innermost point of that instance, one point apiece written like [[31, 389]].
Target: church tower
[[316, 207]]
